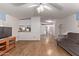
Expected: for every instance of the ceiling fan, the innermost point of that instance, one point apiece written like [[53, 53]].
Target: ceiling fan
[[40, 7]]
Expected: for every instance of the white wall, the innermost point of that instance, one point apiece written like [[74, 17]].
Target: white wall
[[35, 29], [69, 24]]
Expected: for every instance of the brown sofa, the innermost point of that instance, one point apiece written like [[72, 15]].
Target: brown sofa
[[70, 43]]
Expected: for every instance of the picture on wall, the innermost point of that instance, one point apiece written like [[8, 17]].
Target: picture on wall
[[28, 28], [23, 28]]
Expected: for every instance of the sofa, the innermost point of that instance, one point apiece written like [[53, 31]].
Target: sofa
[[70, 43]]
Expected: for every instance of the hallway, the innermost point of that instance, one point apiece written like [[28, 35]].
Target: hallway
[[44, 47]]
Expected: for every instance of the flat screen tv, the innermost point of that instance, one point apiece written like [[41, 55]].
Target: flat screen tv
[[5, 32]]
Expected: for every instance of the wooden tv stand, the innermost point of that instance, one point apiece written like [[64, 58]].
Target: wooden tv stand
[[6, 44]]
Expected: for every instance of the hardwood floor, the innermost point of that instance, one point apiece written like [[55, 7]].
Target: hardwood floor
[[44, 47]]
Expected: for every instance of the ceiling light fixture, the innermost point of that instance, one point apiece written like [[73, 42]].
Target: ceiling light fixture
[[49, 21], [41, 7]]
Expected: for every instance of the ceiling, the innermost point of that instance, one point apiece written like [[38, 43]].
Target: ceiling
[[21, 10]]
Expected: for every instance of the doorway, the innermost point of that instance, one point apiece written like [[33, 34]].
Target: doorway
[[48, 30]]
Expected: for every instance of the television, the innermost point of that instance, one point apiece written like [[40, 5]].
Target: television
[[5, 32]]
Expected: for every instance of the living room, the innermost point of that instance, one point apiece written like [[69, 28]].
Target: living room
[[35, 29]]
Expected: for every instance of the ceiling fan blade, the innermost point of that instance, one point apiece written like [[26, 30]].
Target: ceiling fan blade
[[57, 6], [47, 7], [40, 8]]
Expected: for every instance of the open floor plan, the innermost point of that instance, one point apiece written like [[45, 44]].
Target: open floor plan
[[39, 29]]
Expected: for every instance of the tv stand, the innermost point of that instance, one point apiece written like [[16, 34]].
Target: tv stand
[[6, 44]]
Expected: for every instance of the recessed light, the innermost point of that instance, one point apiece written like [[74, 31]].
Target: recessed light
[[49, 21]]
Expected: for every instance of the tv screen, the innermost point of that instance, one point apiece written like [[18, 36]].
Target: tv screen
[[5, 32], [1, 32]]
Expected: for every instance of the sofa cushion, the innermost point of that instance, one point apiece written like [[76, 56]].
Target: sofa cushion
[[69, 46], [74, 49], [66, 42], [71, 43], [73, 37]]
